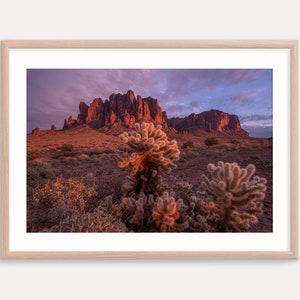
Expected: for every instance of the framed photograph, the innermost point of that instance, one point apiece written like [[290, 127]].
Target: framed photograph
[[150, 149]]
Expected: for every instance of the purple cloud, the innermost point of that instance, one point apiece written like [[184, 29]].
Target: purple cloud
[[54, 94], [246, 95]]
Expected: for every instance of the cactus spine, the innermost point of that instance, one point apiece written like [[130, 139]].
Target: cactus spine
[[234, 194], [166, 212], [153, 157]]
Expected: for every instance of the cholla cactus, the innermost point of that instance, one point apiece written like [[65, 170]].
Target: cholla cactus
[[166, 212], [194, 213], [184, 190], [234, 195], [135, 212], [153, 157]]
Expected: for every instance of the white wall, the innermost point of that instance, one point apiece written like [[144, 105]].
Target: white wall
[[155, 19]]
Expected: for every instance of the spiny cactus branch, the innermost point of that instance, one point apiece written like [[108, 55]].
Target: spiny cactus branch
[[153, 157], [166, 213], [234, 194]]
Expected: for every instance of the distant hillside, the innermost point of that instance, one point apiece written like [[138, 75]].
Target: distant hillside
[[209, 121], [122, 111]]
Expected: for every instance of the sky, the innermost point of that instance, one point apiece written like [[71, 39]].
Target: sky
[[54, 94]]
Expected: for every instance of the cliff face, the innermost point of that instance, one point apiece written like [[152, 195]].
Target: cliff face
[[124, 109], [213, 120]]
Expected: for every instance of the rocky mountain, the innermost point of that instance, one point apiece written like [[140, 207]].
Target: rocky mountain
[[124, 110], [210, 121], [119, 109]]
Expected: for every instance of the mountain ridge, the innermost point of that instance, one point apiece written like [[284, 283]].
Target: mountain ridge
[[122, 111], [125, 109], [209, 121]]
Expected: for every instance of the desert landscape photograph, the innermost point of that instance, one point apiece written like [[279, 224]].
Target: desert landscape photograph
[[149, 150]]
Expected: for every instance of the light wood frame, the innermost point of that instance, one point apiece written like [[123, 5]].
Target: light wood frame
[[184, 255]]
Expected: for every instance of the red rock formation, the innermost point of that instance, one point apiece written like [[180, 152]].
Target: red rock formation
[[126, 109], [96, 110], [213, 120], [83, 112], [53, 127], [113, 118], [36, 131], [70, 123], [123, 109]]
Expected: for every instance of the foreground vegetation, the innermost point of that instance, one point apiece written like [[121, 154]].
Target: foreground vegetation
[[74, 188]]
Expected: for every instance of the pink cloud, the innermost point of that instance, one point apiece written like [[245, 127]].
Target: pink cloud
[[247, 95], [241, 75]]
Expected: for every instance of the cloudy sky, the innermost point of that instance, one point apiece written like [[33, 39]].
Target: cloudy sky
[[54, 94]]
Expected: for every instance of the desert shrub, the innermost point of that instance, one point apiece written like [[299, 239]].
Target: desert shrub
[[31, 155], [38, 173], [109, 186], [98, 161], [265, 164], [68, 159], [69, 193], [234, 195], [96, 152], [67, 149], [83, 157], [67, 153], [99, 172], [57, 201], [210, 141], [235, 142], [71, 173], [55, 163], [188, 144], [190, 153], [181, 160], [108, 151], [183, 190], [98, 220]]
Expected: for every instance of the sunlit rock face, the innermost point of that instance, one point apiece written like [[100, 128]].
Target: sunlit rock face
[[119, 108], [126, 109], [213, 120]]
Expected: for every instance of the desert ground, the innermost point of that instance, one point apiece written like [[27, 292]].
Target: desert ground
[[84, 154]]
